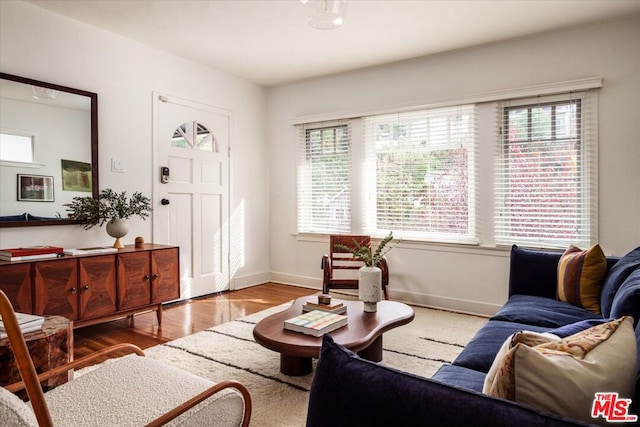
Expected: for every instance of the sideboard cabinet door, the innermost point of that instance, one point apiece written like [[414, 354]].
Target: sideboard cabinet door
[[165, 268], [15, 282], [56, 288], [97, 287], [134, 280]]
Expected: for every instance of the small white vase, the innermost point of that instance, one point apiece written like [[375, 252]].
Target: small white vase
[[370, 287], [117, 228]]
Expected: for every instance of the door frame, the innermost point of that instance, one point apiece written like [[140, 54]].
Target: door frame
[[156, 186]]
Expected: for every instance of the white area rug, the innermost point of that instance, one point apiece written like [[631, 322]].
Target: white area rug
[[229, 351]]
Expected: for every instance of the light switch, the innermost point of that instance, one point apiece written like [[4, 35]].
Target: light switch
[[117, 165]]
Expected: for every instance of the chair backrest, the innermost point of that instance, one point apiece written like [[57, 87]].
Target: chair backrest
[[25, 364], [341, 258]]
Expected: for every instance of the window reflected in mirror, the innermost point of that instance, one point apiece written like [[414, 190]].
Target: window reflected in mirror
[[16, 148]]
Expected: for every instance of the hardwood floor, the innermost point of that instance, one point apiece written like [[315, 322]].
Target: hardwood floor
[[184, 318]]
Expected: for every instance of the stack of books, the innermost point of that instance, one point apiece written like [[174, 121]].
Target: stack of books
[[91, 251], [333, 307], [27, 323], [29, 253], [316, 322]]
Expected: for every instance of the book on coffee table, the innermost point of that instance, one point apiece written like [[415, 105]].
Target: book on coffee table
[[336, 307], [315, 323]]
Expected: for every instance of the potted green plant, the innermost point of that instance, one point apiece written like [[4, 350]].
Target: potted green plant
[[366, 255], [111, 208], [370, 275]]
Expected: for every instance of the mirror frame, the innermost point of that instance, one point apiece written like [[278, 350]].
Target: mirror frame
[[94, 145]]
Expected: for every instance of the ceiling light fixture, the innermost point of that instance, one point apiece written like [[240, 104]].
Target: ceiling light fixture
[[44, 93], [325, 14]]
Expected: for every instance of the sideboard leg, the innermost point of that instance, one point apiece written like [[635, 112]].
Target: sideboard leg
[[159, 314]]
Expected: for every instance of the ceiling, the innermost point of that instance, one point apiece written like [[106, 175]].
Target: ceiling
[[269, 42]]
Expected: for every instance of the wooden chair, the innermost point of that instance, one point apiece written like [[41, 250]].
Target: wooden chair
[[150, 390], [340, 260]]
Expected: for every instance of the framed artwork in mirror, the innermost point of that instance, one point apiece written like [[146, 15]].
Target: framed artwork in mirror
[[35, 188], [76, 176]]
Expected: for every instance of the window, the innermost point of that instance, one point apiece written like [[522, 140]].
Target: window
[[194, 135], [324, 179], [517, 166], [421, 174], [16, 148], [545, 173]]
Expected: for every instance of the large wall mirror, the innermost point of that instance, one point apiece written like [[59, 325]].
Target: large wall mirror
[[48, 150]]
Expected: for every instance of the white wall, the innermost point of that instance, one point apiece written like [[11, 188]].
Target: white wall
[[39, 44], [469, 278]]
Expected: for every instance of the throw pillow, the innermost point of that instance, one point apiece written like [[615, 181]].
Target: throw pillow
[[529, 338], [563, 376], [580, 277]]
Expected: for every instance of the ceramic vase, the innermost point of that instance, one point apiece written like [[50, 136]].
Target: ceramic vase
[[117, 228], [370, 287]]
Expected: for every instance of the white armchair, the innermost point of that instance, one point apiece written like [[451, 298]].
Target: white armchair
[[129, 391]]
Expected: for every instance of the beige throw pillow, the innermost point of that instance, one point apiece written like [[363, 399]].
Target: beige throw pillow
[[562, 376], [528, 338]]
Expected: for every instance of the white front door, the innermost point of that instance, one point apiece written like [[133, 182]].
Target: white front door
[[191, 205]]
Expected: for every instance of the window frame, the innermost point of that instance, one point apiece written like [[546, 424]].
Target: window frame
[[585, 173], [435, 140], [307, 220]]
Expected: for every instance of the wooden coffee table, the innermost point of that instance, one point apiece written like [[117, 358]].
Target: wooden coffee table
[[363, 333]]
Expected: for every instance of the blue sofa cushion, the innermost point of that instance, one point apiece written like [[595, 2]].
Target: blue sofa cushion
[[460, 376], [529, 269], [618, 274], [41, 218], [347, 391], [479, 353], [540, 311], [627, 299], [22, 217]]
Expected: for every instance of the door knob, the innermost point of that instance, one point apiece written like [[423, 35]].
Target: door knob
[[164, 202]]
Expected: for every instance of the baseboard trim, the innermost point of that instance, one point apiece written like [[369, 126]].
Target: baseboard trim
[[459, 305], [302, 281], [424, 300], [242, 282]]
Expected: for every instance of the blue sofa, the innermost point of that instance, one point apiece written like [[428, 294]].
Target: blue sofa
[[348, 390]]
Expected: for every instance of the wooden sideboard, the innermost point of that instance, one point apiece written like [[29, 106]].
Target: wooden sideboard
[[89, 289]]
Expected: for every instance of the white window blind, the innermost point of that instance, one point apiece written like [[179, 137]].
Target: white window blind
[[421, 174], [324, 178], [546, 172]]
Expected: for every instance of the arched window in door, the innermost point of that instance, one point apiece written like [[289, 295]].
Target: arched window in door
[[194, 135]]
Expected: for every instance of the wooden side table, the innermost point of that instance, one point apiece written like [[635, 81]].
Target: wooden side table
[[50, 347]]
